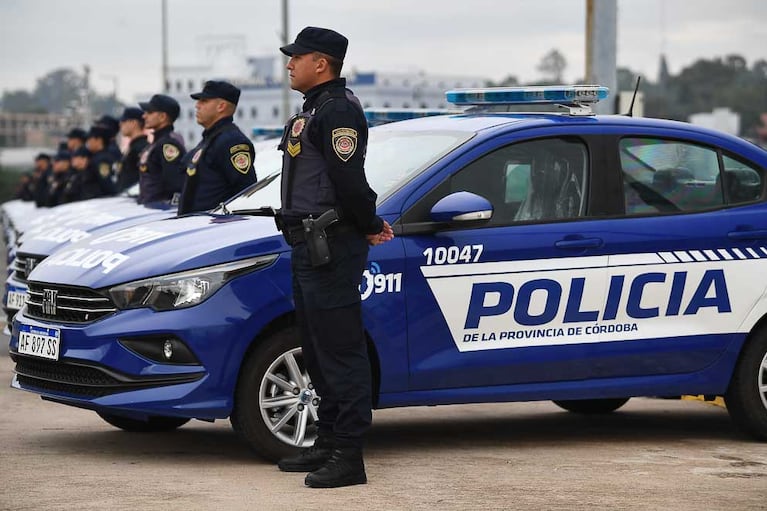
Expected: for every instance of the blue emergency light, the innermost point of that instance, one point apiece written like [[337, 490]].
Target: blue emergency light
[[566, 95], [377, 116]]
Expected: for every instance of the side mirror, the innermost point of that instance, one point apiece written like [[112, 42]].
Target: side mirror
[[461, 207]]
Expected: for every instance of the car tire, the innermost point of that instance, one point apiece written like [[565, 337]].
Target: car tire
[[275, 406], [592, 406], [746, 396], [153, 424]]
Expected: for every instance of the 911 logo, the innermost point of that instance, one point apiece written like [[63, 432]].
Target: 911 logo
[[375, 282]]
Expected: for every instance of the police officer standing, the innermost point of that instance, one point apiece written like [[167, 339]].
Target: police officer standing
[[97, 179], [222, 163], [132, 128], [76, 139], [323, 178], [160, 162], [58, 180]]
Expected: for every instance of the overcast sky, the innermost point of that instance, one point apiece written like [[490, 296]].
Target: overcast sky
[[121, 39]]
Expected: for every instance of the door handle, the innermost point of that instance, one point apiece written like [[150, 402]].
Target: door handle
[[579, 243]]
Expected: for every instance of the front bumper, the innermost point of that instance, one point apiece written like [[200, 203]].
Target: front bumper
[[97, 371]]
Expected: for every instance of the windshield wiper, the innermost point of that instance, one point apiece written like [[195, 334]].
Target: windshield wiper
[[262, 211], [223, 209]]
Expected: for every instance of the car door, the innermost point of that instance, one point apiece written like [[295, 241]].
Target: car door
[[505, 300], [683, 255]]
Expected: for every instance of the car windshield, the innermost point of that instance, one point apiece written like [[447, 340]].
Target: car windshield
[[394, 157]]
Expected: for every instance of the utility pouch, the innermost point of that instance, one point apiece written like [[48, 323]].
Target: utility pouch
[[316, 237]]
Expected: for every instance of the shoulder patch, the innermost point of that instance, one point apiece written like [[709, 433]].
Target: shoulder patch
[[238, 147], [344, 142], [104, 169], [170, 152], [241, 162]]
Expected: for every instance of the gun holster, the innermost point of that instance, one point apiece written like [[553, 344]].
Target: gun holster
[[317, 238]]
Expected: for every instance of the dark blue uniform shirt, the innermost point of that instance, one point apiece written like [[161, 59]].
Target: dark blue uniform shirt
[[219, 167]]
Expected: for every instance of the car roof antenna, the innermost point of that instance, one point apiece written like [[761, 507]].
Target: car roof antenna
[[630, 113]]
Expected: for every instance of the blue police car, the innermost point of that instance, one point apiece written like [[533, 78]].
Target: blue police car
[[544, 256]]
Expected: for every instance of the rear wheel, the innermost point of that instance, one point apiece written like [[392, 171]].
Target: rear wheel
[[275, 405], [746, 397], [592, 406], [151, 425]]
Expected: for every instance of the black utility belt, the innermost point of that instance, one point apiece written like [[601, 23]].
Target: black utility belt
[[297, 234]]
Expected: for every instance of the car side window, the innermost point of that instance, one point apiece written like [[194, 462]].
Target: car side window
[[742, 182], [529, 181], [667, 176]]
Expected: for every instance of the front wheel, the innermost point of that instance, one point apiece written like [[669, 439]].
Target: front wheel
[[151, 425], [746, 397], [275, 405], [592, 406]]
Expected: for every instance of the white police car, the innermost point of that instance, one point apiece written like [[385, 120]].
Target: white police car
[[569, 257]]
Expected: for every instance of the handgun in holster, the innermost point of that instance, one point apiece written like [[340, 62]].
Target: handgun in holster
[[316, 237]]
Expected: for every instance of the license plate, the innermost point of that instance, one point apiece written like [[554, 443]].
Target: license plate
[[16, 300], [39, 341]]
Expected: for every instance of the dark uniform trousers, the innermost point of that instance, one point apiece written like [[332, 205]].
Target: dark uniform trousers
[[327, 300]]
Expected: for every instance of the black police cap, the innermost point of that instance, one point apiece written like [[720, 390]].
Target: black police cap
[[42, 156], [162, 103], [109, 123], [62, 155], [218, 89], [77, 133], [318, 39], [132, 112], [98, 131], [81, 151]]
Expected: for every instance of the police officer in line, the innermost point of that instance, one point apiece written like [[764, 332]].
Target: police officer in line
[[160, 163], [97, 179], [39, 184], [59, 178], [112, 126], [132, 128], [322, 177], [221, 165], [73, 187], [76, 139]]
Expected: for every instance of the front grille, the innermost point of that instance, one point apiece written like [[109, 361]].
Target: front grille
[[67, 304], [82, 380], [23, 264]]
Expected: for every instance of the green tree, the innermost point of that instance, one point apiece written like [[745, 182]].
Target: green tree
[[21, 101], [56, 93], [553, 66]]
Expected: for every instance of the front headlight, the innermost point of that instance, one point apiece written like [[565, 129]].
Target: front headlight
[[185, 289]]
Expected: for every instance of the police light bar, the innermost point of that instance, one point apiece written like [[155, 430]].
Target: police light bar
[[383, 115], [566, 95], [267, 131]]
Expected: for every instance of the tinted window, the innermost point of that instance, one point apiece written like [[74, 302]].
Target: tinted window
[[529, 181], [668, 176], [742, 182]]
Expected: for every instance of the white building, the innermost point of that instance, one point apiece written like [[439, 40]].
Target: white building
[[261, 99], [721, 119]]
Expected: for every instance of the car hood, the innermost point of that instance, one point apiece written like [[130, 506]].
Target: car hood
[[59, 228], [160, 247]]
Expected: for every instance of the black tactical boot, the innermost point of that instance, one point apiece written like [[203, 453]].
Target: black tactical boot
[[308, 460], [344, 468]]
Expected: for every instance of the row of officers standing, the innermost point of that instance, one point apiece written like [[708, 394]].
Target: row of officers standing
[[90, 164]]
